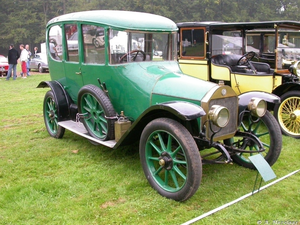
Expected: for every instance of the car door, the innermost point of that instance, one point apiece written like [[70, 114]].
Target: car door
[[192, 58], [93, 60], [33, 63], [72, 63]]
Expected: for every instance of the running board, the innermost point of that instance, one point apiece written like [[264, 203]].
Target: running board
[[78, 128]]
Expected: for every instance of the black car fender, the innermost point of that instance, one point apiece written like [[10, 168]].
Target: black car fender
[[183, 112], [61, 97], [246, 97], [289, 86]]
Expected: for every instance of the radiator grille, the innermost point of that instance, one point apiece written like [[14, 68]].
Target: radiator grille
[[231, 103]]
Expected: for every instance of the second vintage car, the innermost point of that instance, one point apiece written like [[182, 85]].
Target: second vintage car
[[131, 89], [248, 56]]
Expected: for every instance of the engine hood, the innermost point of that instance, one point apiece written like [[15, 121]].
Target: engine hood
[[181, 86]]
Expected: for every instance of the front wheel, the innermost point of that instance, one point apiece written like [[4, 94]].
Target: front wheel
[[287, 114], [51, 115], [267, 130], [170, 159]]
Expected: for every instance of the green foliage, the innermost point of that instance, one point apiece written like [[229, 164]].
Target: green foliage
[[24, 21], [44, 180]]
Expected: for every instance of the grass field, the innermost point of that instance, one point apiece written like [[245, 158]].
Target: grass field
[[70, 181]]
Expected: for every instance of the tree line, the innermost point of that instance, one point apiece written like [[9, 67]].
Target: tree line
[[24, 21]]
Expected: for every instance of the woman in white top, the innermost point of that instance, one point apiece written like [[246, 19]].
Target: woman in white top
[[23, 59]]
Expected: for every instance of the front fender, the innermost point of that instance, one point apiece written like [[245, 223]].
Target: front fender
[[177, 110], [184, 110], [245, 98], [61, 97], [280, 90]]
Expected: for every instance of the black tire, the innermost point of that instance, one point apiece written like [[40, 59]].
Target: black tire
[[170, 159], [96, 43], [51, 115], [267, 130], [95, 107], [287, 114], [41, 70]]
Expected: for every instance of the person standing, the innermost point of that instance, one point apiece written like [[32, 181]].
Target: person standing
[[35, 51], [28, 59], [23, 59], [13, 56], [52, 49]]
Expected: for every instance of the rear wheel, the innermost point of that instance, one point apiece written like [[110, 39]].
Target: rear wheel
[[40, 68], [287, 114], [51, 115], [267, 130], [95, 107], [170, 159]]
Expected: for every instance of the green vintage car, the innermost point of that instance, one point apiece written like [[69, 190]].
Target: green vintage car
[[248, 56], [130, 88]]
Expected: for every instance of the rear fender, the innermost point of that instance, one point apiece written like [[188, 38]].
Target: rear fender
[[61, 97]]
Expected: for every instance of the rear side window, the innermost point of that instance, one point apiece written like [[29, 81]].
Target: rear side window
[[72, 42], [55, 42], [93, 44], [192, 43]]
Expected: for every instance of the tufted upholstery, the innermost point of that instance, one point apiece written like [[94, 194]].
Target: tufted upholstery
[[231, 62]]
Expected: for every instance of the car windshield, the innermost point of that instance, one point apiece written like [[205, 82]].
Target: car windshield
[[41, 56], [230, 42], [141, 46], [262, 42], [287, 46]]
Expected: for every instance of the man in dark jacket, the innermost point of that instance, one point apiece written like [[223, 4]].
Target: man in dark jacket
[[13, 56]]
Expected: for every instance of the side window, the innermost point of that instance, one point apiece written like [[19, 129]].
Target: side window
[[227, 42], [192, 42], [55, 42], [253, 43], [118, 41], [269, 44], [93, 44], [72, 42]]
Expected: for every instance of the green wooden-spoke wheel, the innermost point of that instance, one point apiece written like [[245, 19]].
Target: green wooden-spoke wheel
[[170, 159], [288, 114], [267, 130], [51, 116], [95, 107]]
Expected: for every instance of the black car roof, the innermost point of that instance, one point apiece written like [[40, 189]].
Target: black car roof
[[242, 25]]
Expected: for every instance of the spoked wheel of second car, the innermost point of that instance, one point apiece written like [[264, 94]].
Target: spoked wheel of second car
[[51, 116], [170, 159], [267, 130], [96, 111], [288, 114]]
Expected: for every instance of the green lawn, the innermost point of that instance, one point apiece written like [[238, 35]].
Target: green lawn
[[70, 181]]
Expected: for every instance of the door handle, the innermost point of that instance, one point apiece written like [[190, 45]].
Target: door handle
[[78, 73]]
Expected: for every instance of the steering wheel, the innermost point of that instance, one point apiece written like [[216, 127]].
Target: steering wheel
[[246, 60], [133, 57]]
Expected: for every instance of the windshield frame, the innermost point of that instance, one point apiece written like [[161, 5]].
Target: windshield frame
[[128, 46]]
